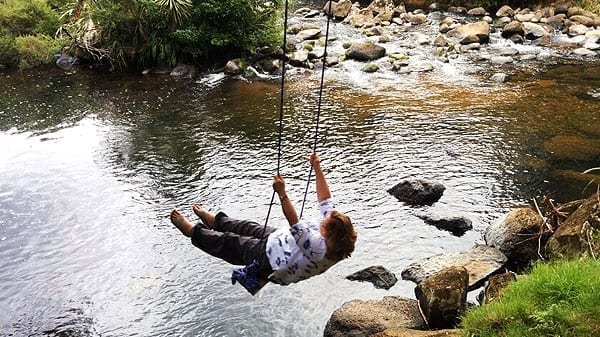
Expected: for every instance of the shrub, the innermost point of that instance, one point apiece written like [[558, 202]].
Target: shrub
[[28, 17], [8, 49], [35, 50], [143, 33], [557, 299]]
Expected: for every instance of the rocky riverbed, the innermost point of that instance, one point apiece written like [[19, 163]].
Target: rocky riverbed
[[451, 42]]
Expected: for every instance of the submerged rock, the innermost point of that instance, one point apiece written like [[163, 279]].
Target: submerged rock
[[380, 276], [573, 148], [417, 192], [457, 225]]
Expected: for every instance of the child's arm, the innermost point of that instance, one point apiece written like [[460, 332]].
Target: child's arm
[[323, 192], [286, 205]]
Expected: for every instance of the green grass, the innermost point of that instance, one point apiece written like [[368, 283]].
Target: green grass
[[556, 299], [590, 5]]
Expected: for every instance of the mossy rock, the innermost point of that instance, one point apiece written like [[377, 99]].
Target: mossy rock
[[370, 68]]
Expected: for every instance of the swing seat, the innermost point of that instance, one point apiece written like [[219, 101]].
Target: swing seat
[[248, 277]]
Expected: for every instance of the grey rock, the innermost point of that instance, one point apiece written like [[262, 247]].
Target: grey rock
[[359, 318], [363, 51], [480, 30], [457, 225], [477, 11], [534, 31], [480, 261], [66, 61], [516, 235], [418, 192], [443, 297], [505, 11], [380, 276], [340, 9], [495, 287], [577, 29], [499, 77], [512, 28], [584, 52], [308, 34], [573, 238]]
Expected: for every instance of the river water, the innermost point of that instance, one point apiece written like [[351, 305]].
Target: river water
[[91, 165]]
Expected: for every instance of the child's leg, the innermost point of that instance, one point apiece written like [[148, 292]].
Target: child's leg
[[231, 247], [224, 223]]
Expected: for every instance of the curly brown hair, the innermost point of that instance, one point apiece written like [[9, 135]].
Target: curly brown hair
[[340, 236]]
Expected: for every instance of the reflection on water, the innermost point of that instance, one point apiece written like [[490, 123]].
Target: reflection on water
[[90, 166]]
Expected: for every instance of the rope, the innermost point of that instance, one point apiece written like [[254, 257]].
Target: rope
[[316, 135], [248, 275], [281, 102]]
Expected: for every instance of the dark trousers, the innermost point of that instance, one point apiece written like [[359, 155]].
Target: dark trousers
[[238, 242]]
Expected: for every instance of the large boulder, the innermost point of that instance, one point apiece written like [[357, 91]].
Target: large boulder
[[478, 32], [359, 318], [418, 192], [481, 261], [443, 297], [380, 276], [339, 9], [534, 31], [582, 19], [360, 17], [579, 235], [403, 332], [365, 51], [517, 235], [505, 11], [512, 28]]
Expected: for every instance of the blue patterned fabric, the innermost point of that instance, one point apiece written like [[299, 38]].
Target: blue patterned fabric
[[247, 277], [298, 252]]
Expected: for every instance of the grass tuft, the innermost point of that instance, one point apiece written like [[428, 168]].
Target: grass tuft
[[556, 299]]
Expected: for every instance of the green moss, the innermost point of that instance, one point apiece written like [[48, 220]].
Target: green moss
[[556, 299]]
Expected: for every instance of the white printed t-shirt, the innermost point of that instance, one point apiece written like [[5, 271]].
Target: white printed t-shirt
[[297, 252]]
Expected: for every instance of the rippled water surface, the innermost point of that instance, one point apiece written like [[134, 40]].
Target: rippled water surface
[[91, 165]]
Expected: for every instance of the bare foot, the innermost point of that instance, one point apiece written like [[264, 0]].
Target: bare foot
[[181, 223], [207, 218]]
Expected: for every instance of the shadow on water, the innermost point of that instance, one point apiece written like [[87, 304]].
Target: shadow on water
[[92, 164]]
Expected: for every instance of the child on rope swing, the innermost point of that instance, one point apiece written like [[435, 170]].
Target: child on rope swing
[[286, 255]]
